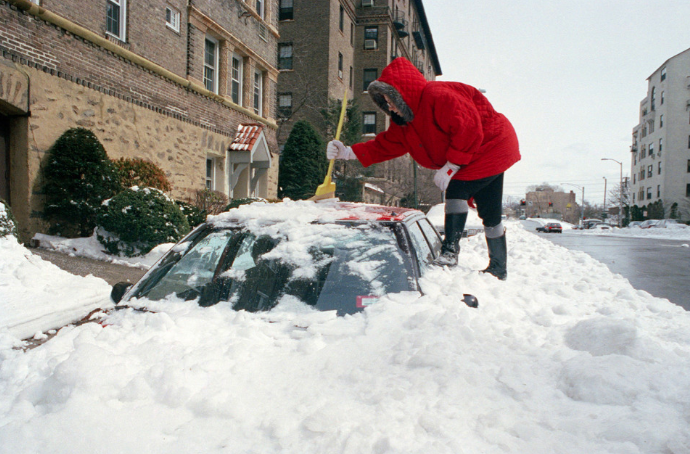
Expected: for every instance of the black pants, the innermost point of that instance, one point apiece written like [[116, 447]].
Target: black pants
[[487, 193]]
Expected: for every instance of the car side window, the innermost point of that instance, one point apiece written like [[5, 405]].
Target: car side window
[[431, 235], [424, 255]]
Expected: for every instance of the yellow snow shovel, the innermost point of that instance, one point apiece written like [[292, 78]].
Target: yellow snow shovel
[[327, 189]]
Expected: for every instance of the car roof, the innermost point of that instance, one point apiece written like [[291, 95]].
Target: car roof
[[304, 211]]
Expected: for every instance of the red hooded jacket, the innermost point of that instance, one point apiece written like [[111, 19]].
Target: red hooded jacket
[[452, 122]]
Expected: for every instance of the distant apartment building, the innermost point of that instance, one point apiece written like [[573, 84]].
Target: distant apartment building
[[175, 82], [660, 158], [328, 47]]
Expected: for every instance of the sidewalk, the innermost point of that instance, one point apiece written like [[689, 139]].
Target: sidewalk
[[83, 266]]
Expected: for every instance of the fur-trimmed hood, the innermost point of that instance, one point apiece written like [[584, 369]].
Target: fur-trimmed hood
[[402, 82]]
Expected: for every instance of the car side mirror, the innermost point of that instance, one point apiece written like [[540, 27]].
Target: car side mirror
[[119, 291]]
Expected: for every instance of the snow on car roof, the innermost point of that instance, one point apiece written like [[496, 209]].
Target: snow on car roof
[[304, 211]]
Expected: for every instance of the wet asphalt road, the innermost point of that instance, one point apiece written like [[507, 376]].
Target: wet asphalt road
[[660, 267]]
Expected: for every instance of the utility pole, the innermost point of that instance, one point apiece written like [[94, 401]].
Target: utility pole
[[605, 181], [620, 187]]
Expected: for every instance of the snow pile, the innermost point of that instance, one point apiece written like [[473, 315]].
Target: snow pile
[[36, 295], [563, 357]]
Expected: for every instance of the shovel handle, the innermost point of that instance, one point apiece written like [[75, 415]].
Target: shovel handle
[[343, 108]]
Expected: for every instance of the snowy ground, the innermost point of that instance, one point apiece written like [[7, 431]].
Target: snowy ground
[[563, 357]]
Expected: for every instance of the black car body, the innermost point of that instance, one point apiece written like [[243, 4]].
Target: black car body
[[551, 227], [336, 256]]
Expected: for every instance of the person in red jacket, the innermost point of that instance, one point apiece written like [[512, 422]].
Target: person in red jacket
[[451, 127]]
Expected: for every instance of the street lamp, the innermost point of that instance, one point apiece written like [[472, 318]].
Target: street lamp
[[582, 218], [620, 188], [605, 181]]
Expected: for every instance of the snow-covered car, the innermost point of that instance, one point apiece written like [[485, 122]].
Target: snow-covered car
[[437, 215], [669, 224], [330, 255], [649, 223], [634, 224], [551, 227]]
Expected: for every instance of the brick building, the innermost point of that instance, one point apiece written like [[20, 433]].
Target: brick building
[[169, 81], [328, 47], [550, 204]]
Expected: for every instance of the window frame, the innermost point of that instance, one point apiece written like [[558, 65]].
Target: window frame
[[340, 65], [216, 58], [174, 22], [284, 110], [365, 85], [122, 19], [258, 92], [285, 11], [281, 60], [649, 193], [371, 33], [210, 179], [236, 82], [260, 7], [341, 19], [365, 115]]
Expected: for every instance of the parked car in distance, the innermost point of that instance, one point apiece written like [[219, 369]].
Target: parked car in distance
[[437, 215], [551, 227], [634, 224], [648, 223], [333, 256], [669, 224]]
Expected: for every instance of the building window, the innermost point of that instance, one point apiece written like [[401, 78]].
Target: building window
[[687, 190], [211, 65], [286, 10], [649, 193], [643, 153], [369, 119], [661, 121], [653, 100], [285, 104], [663, 74], [651, 126], [261, 8], [661, 146], [210, 183], [342, 19], [651, 149], [633, 198], [340, 65], [642, 173], [236, 79], [116, 17], [172, 18], [658, 191], [688, 165], [352, 34], [285, 56], [258, 91], [351, 78], [688, 141], [650, 171], [634, 178], [661, 101], [370, 75], [371, 38], [659, 170]]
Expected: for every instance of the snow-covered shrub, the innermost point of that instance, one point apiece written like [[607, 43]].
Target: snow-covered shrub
[[137, 220], [138, 172], [194, 214], [234, 203], [78, 176], [8, 225]]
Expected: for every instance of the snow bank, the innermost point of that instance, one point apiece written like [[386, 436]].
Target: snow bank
[[36, 295], [563, 357]]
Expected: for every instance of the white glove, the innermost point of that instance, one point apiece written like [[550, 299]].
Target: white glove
[[336, 150], [445, 174]]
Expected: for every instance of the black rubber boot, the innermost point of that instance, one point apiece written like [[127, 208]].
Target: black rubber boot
[[498, 257], [454, 225]]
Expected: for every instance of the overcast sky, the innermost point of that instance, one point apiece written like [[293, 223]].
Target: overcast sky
[[568, 74]]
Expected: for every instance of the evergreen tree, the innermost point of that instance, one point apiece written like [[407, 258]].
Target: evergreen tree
[[303, 163], [78, 176]]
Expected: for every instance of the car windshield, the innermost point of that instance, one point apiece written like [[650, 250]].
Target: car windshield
[[348, 267]]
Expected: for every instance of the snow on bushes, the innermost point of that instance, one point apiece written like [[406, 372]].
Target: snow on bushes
[[138, 219], [138, 172], [193, 213], [8, 225]]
